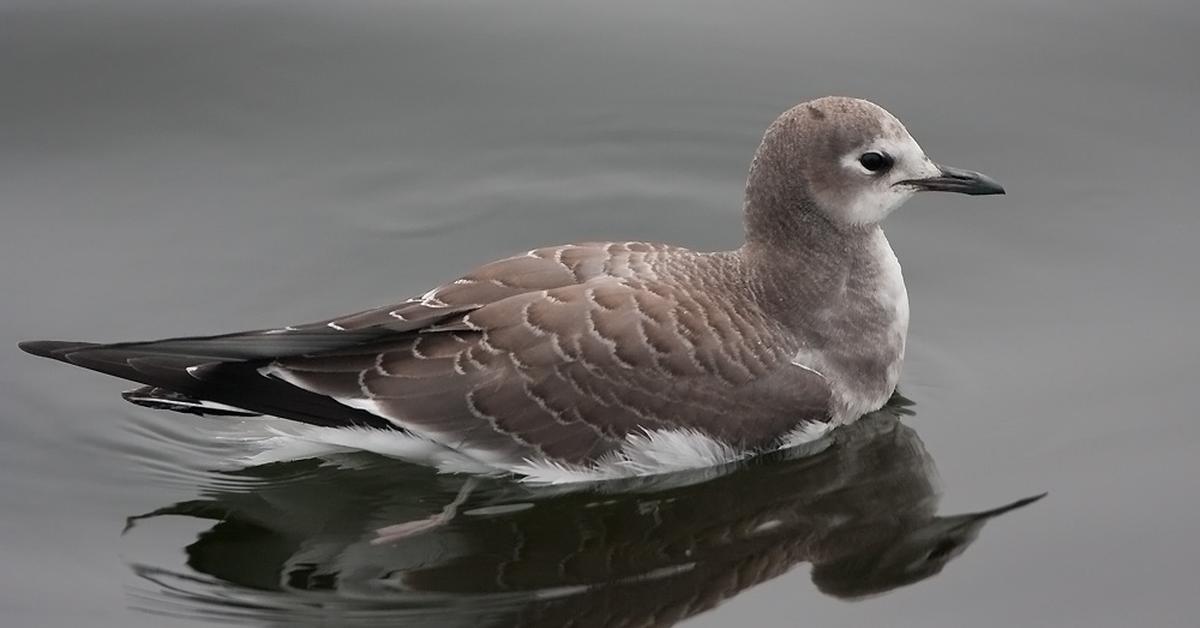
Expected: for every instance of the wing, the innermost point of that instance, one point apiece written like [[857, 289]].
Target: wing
[[569, 373], [233, 383], [189, 365], [563, 352], [539, 269]]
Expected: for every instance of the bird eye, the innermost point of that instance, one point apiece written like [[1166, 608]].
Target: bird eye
[[875, 162]]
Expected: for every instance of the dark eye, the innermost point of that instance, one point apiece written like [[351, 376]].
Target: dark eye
[[875, 162]]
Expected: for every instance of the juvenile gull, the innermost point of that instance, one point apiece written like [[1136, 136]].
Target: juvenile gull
[[605, 359]]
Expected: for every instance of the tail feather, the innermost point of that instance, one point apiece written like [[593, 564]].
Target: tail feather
[[246, 345], [54, 349], [201, 376]]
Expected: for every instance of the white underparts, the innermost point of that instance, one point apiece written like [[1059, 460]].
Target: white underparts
[[806, 432], [298, 441], [649, 452]]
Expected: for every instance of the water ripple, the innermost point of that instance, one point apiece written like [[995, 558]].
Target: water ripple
[[365, 541]]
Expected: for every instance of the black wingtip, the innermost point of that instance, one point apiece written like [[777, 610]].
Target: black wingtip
[[53, 349]]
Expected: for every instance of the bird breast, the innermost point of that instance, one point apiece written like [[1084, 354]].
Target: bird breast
[[859, 344]]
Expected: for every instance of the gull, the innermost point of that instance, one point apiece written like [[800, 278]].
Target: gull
[[601, 360]]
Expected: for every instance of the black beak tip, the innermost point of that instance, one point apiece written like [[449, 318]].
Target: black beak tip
[[961, 181], [985, 185]]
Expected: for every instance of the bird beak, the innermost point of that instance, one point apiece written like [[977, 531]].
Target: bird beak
[[960, 522], [956, 180]]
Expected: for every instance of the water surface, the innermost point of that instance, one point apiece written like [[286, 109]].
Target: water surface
[[169, 169]]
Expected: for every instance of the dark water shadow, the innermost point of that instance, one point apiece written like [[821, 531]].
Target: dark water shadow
[[301, 541]]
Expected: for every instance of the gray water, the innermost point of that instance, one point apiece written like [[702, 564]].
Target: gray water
[[171, 168]]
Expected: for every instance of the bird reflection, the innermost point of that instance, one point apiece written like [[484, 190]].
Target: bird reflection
[[861, 512]]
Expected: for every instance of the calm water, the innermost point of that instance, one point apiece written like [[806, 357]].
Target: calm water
[[231, 165]]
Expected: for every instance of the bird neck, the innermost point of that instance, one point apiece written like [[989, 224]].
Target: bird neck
[[797, 259]]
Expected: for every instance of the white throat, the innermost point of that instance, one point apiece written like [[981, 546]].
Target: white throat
[[883, 196]]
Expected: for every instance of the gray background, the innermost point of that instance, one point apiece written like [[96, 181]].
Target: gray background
[[169, 169]]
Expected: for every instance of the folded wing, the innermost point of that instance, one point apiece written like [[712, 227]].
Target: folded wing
[[568, 374], [562, 353]]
